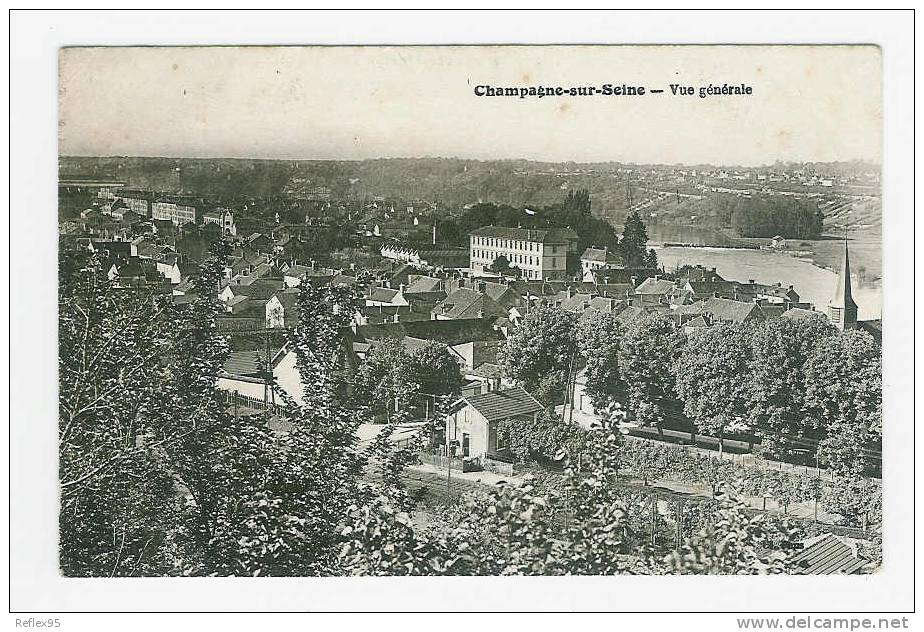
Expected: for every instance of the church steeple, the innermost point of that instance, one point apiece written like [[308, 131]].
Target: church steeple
[[842, 310]]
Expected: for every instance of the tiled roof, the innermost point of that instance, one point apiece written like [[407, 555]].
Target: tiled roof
[[731, 311], [288, 299], [623, 275], [548, 236], [504, 404], [703, 288], [654, 286], [829, 555], [448, 331], [423, 284], [466, 303], [382, 295], [594, 254], [499, 292], [258, 289], [574, 303], [697, 273], [245, 363]]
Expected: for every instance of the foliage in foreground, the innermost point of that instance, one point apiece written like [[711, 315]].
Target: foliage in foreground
[[158, 478]]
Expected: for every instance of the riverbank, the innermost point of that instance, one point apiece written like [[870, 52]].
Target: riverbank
[[825, 253], [814, 284]]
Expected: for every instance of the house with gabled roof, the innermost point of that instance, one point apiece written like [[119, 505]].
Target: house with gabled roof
[[261, 289], [281, 309], [378, 295], [597, 258], [473, 421], [652, 292], [252, 374], [466, 303], [730, 311]]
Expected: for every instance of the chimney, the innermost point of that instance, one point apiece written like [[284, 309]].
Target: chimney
[[791, 287], [312, 264], [750, 281], [480, 313], [569, 292], [395, 318], [401, 288], [634, 281], [713, 269]]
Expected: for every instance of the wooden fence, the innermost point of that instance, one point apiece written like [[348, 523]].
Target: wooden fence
[[247, 401]]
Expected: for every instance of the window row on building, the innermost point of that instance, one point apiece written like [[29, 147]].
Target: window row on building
[[508, 244], [513, 258]]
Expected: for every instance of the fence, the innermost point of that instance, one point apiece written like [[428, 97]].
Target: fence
[[247, 401], [750, 460], [467, 464]]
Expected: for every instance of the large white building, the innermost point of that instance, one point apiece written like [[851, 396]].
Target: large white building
[[539, 254], [177, 210]]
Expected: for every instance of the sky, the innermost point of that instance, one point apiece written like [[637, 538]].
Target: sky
[[808, 103]]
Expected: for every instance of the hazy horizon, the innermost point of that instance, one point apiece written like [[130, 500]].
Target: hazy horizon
[[809, 103], [463, 158]]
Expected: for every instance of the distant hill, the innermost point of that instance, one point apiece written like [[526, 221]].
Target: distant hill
[[448, 182], [451, 182]]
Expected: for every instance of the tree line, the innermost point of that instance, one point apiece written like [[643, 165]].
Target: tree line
[[768, 216], [798, 386]]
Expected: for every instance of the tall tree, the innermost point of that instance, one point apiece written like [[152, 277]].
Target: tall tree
[[599, 339], [114, 425], [434, 370], [381, 384], [781, 347], [650, 348], [541, 353], [712, 378], [633, 245], [843, 395]]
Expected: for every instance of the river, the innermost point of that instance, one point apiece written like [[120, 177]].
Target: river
[[814, 284]]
